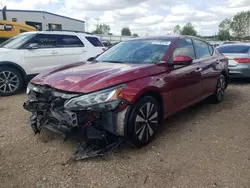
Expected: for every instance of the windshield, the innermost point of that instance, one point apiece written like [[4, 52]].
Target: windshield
[[136, 51], [17, 41]]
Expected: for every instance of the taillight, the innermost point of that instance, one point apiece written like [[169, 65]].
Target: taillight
[[242, 60], [104, 49]]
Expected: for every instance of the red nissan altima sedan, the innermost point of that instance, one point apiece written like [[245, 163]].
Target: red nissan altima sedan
[[126, 92]]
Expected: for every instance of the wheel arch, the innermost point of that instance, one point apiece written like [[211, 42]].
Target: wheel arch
[[224, 73], [15, 66], [155, 93]]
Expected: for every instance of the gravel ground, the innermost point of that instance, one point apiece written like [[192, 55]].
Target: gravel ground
[[203, 146]]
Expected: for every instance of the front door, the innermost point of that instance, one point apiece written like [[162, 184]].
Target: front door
[[45, 57], [185, 81]]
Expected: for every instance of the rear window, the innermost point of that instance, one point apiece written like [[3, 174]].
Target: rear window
[[94, 41], [234, 49], [69, 41]]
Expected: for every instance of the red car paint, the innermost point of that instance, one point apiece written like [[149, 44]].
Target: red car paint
[[178, 86]]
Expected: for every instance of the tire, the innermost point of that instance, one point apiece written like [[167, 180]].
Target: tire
[[11, 81], [143, 122], [219, 93]]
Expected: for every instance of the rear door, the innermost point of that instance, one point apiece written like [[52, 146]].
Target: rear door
[[72, 49], [46, 57], [185, 80], [208, 64]]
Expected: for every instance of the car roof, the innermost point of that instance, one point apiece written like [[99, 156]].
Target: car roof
[[157, 38], [61, 32], [168, 37]]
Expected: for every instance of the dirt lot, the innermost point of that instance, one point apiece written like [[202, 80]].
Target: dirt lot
[[204, 146]]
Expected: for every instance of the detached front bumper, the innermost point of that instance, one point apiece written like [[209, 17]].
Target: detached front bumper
[[101, 129], [62, 120]]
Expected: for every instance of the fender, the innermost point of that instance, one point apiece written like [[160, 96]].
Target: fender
[[3, 63]]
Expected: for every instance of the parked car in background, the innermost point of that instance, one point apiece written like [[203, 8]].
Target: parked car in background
[[127, 91], [31, 53], [215, 45], [229, 42], [239, 59]]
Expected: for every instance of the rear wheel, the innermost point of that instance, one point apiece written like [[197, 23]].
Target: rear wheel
[[143, 121], [219, 93], [11, 81]]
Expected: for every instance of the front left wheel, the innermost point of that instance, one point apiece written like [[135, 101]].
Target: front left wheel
[[143, 121], [11, 81]]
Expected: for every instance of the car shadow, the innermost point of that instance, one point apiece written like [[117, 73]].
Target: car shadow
[[178, 121], [239, 81]]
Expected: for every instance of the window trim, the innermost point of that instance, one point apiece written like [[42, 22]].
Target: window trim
[[183, 38], [25, 44], [204, 57], [57, 41], [195, 54], [212, 53]]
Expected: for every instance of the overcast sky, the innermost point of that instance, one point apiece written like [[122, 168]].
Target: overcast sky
[[154, 17]]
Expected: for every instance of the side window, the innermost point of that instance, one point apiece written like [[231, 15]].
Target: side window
[[44, 41], [94, 41], [201, 49], [211, 49], [69, 41], [185, 47]]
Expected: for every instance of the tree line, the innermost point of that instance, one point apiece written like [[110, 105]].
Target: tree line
[[105, 29], [236, 28]]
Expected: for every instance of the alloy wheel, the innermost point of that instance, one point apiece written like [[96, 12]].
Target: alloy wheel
[[221, 88], [146, 121], [9, 82]]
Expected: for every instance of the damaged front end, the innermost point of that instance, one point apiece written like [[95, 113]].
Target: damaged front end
[[98, 116]]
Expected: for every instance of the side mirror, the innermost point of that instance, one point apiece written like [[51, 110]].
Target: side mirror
[[33, 46], [182, 60]]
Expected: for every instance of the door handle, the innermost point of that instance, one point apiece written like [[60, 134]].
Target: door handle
[[54, 52], [198, 69]]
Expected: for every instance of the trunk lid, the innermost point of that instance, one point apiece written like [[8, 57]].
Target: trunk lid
[[231, 58]]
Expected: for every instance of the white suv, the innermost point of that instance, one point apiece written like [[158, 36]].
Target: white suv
[[31, 53]]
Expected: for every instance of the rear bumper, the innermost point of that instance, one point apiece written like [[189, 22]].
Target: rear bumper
[[240, 71]]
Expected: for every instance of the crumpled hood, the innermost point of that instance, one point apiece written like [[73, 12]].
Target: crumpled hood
[[88, 77]]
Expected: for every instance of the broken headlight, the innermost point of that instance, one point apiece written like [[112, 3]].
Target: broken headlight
[[107, 98], [31, 87]]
